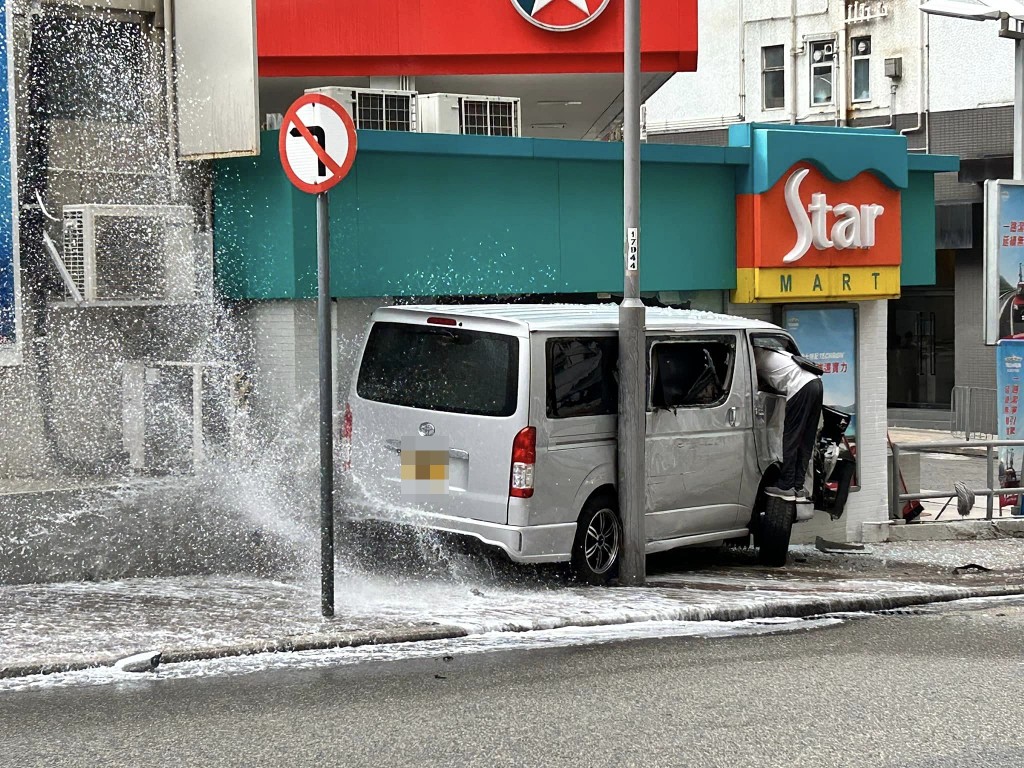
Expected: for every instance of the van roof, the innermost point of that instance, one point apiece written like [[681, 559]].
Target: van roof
[[591, 317]]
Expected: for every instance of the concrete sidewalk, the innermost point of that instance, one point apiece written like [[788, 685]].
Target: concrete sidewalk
[[66, 626]]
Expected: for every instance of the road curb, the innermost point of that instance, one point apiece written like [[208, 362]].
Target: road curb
[[957, 530], [773, 608]]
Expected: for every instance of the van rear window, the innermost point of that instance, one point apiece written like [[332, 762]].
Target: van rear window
[[440, 369]]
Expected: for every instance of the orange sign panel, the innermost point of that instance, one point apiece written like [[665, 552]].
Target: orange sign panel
[[809, 221]]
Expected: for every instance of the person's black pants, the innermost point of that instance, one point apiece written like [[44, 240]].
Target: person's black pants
[[802, 413]]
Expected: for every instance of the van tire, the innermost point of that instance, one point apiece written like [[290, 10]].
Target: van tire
[[599, 519], [774, 531]]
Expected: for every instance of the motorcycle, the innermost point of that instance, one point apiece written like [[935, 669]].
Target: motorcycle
[[835, 464]]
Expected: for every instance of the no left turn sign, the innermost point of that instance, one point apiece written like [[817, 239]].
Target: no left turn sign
[[317, 143]]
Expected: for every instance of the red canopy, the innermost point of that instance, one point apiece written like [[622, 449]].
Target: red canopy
[[299, 38]]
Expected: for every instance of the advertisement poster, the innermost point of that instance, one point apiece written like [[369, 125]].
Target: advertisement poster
[[1004, 260], [1009, 388], [9, 288], [828, 336]]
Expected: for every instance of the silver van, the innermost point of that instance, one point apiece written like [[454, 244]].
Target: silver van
[[499, 422]]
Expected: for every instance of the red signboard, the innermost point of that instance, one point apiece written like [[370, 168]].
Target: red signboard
[[300, 38]]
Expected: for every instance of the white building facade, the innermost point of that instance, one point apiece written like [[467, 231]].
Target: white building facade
[[946, 84]]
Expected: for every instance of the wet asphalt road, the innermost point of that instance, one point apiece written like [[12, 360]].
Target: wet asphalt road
[[932, 690]]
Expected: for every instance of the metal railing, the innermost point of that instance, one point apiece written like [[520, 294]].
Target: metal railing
[[896, 499], [973, 412]]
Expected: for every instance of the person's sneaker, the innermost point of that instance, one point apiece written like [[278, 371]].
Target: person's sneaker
[[787, 494]]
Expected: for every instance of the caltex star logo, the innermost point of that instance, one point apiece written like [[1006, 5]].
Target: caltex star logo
[[560, 15]]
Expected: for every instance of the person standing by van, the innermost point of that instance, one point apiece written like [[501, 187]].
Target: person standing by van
[[799, 380]]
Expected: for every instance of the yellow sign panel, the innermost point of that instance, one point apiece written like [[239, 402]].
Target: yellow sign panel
[[811, 284]]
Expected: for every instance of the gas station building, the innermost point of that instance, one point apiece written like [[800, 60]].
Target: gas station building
[[811, 228]]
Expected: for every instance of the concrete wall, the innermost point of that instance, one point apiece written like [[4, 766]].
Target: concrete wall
[[975, 362], [284, 366], [285, 363], [870, 503], [968, 51], [23, 449]]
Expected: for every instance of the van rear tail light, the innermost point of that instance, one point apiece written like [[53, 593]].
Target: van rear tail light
[[442, 321], [346, 438], [524, 457]]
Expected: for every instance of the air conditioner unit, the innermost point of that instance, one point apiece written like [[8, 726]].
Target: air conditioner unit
[[375, 109], [131, 253], [469, 115], [175, 413]]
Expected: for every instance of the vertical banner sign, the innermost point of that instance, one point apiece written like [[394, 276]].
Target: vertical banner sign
[[829, 337], [10, 294], [1004, 260], [1009, 357]]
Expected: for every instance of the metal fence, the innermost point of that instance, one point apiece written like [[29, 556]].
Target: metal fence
[[896, 499], [973, 413]]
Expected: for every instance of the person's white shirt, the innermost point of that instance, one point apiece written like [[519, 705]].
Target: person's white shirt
[[781, 372]]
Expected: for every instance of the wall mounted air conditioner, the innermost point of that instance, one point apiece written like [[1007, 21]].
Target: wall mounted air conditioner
[[131, 253], [376, 109], [469, 115]]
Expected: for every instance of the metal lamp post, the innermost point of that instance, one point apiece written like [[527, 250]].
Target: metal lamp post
[[1004, 11], [632, 423]]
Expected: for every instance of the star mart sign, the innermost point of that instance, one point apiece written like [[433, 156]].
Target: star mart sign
[[809, 238]]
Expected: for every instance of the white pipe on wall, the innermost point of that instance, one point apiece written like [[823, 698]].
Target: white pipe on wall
[[170, 102], [923, 85], [792, 62], [743, 57]]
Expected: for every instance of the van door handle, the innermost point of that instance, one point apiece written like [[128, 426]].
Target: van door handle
[[731, 415], [455, 453]]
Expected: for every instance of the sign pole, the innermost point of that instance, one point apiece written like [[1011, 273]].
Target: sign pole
[[1018, 109], [323, 262], [317, 145], [632, 423]]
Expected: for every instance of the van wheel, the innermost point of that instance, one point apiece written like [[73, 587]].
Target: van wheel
[[595, 552], [774, 531]]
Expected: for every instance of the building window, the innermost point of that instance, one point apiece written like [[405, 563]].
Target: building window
[[773, 76], [861, 50], [822, 72]]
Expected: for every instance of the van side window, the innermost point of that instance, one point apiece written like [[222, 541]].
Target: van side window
[[693, 373], [771, 341], [774, 341], [581, 378]]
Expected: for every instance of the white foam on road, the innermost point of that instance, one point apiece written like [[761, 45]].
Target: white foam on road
[[81, 621], [488, 642]]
